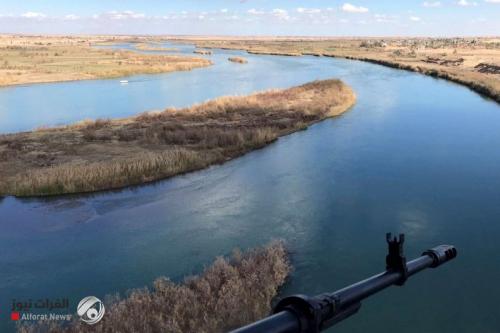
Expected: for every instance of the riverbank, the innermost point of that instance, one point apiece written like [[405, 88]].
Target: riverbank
[[220, 299], [154, 47], [473, 62], [107, 154], [34, 59]]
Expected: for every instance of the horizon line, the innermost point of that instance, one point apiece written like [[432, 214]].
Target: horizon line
[[242, 36]]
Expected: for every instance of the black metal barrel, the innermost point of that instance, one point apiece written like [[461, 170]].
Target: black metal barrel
[[301, 314]]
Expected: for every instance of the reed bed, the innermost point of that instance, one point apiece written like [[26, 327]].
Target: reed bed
[[101, 154], [228, 294], [239, 60], [75, 178], [203, 52]]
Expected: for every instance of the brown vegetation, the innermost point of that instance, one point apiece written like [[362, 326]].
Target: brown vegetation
[[203, 52], [106, 154], [444, 62], [487, 68], [239, 60], [43, 59], [228, 294], [154, 47], [473, 62]]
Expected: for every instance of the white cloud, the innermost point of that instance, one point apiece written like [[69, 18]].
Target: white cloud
[[281, 14], [465, 3], [308, 10], [115, 15], [431, 4], [254, 11], [346, 19], [34, 15], [492, 1], [347, 7]]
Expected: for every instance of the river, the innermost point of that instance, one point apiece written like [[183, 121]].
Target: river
[[416, 155]]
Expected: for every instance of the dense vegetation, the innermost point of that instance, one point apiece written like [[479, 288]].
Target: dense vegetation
[[228, 294], [105, 154]]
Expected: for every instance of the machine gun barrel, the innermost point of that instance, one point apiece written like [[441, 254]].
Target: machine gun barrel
[[303, 314]]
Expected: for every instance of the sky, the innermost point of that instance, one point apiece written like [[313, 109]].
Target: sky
[[253, 17]]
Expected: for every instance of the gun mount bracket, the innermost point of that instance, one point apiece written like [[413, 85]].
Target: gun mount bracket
[[395, 260]]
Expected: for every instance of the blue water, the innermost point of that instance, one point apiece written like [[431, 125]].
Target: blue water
[[31, 106], [415, 155]]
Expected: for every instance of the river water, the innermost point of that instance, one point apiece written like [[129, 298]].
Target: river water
[[415, 155]]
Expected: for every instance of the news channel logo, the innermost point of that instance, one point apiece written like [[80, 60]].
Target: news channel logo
[[91, 310]]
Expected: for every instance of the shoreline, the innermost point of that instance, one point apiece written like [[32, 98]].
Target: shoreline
[[104, 155], [106, 77], [472, 85], [275, 48], [36, 60], [26, 84], [247, 46]]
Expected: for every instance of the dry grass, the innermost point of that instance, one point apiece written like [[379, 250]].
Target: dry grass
[[74, 178], [239, 60], [154, 47], [473, 62], [33, 60], [203, 52], [105, 154], [227, 295]]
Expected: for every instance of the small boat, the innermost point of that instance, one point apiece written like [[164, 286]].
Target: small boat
[[123, 81]]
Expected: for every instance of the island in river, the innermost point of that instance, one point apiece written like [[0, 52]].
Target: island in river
[[107, 154]]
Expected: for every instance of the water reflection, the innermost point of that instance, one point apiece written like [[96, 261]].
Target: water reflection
[[415, 222]]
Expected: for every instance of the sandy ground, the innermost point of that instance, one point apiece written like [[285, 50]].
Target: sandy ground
[[33, 59]]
